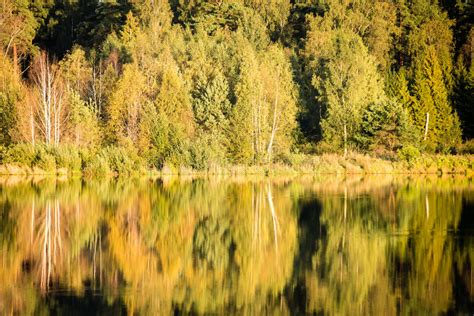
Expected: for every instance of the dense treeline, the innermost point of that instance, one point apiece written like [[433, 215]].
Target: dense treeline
[[201, 83]]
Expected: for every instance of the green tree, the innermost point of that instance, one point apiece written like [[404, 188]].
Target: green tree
[[11, 95], [18, 27], [385, 128], [209, 15], [275, 14], [244, 135], [124, 108], [128, 37], [168, 122], [279, 103], [211, 104], [84, 128], [346, 79], [398, 89], [463, 91], [64, 24], [372, 20], [433, 114], [76, 71]]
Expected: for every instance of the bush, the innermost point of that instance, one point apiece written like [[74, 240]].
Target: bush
[[68, 157], [119, 160], [3, 151], [44, 159], [466, 148], [23, 154], [96, 166], [408, 154], [206, 152], [108, 160]]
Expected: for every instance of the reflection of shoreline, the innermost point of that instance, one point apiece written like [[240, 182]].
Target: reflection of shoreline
[[20, 179], [258, 239], [331, 183]]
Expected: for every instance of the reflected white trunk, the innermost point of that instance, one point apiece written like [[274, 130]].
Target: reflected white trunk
[[427, 206], [276, 225], [51, 243]]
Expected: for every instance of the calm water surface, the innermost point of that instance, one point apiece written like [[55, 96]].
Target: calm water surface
[[376, 245]]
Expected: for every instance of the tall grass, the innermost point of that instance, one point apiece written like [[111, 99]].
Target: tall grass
[[118, 161]]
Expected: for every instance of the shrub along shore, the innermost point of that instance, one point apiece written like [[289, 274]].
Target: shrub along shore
[[25, 159]]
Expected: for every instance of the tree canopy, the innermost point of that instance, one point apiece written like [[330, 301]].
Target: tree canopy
[[201, 83]]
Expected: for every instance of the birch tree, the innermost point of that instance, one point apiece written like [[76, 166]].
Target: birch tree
[[49, 102], [246, 120], [264, 116], [280, 95], [345, 78]]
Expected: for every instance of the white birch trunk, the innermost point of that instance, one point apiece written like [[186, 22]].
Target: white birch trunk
[[50, 109], [274, 128], [426, 126]]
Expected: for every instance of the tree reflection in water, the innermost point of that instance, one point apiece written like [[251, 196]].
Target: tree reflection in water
[[377, 245]]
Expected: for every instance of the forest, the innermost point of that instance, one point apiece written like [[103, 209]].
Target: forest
[[104, 86]]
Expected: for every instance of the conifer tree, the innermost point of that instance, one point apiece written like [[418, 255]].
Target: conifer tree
[[211, 104], [385, 128], [398, 90], [129, 32], [463, 97], [245, 121], [17, 28], [433, 114]]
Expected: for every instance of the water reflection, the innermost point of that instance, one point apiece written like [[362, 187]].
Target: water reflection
[[377, 245]]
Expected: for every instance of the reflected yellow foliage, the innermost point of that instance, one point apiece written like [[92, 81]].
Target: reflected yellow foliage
[[375, 245]]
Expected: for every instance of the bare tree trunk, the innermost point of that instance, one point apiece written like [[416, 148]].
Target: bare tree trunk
[[345, 140], [97, 90], [254, 130], [15, 59], [50, 109], [426, 125], [48, 100], [274, 128], [99, 110], [32, 124], [257, 138]]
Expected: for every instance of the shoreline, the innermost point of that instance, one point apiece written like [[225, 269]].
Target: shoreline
[[326, 164]]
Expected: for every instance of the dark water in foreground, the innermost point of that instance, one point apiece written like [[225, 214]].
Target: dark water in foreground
[[378, 245]]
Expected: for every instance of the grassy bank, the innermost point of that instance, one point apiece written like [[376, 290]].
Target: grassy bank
[[113, 161], [352, 164]]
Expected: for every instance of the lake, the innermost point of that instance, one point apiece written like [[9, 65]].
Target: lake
[[381, 245]]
